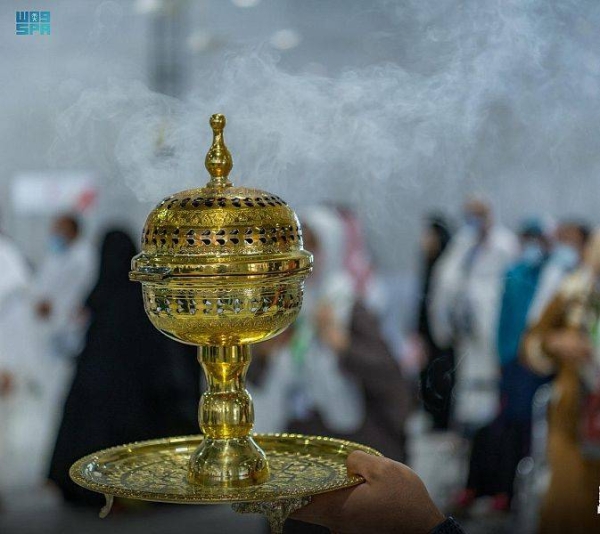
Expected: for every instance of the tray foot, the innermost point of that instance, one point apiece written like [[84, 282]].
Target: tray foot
[[276, 512], [105, 510]]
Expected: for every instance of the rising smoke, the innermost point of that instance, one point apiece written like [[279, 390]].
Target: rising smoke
[[490, 96]]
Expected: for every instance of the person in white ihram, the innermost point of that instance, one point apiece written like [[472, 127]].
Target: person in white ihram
[[62, 283], [466, 292], [305, 376], [20, 387], [60, 288]]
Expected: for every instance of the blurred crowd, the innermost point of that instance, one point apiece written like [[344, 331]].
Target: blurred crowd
[[501, 317], [80, 365]]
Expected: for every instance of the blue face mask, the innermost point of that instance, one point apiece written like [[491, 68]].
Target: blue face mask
[[533, 254], [566, 256], [57, 244], [474, 223]]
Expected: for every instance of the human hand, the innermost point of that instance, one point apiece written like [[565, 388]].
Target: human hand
[[329, 331], [7, 383], [569, 345], [416, 353], [392, 499]]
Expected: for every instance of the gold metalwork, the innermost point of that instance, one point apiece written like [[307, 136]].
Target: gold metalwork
[[222, 267], [105, 510], [156, 470], [218, 160], [276, 512]]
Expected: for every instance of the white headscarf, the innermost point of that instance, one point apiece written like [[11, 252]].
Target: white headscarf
[[329, 282]]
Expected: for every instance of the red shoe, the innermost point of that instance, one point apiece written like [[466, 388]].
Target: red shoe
[[501, 503]]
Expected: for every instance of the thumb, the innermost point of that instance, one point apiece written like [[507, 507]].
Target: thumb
[[363, 464]]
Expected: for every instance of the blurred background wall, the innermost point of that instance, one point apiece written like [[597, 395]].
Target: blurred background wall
[[487, 97]]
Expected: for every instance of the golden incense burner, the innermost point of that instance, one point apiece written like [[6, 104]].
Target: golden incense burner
[[222, 267]]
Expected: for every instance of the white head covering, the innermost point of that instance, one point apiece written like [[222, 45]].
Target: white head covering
[[329, 281], [328, 228]]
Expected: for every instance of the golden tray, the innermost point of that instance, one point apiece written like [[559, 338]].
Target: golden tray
[[156, 470]]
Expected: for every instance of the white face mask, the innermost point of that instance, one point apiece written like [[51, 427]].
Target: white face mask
[[566, 256], [474, 223], [57, 244], [533, 254]]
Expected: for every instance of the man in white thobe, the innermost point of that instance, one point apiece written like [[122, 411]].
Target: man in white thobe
[[466, 292], [60, 289], [21, 382], [62, 285]]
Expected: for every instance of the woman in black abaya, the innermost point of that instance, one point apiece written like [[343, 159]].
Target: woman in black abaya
[[131, 382], [437, 376]]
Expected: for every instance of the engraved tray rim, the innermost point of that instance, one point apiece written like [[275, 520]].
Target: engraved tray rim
[[268, 442]]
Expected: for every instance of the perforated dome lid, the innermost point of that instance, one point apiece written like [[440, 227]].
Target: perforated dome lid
[[219, 229]]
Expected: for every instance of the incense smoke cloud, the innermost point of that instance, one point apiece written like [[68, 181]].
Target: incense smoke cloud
[[498, 97]]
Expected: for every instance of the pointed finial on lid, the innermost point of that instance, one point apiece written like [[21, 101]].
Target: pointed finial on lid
[[218, 160]]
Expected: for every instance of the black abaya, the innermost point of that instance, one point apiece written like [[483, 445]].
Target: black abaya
[[131, 382]]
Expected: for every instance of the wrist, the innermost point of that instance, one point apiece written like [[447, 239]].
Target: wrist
[[447, 526]]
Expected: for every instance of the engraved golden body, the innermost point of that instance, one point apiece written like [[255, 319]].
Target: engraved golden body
[[222, 267]]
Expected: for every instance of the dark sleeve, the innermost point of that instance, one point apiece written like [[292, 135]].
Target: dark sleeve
[[450, 526], [369, 359]]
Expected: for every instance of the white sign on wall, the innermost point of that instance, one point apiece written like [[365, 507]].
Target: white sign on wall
[[51, 192]]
